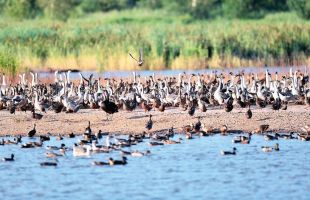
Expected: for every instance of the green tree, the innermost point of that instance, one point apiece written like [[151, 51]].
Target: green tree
[[20, 8], [58, 9], [302, 7]]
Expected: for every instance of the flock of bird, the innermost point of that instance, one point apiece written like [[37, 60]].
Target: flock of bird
[[192, 92], [187, 92], [89, 143]]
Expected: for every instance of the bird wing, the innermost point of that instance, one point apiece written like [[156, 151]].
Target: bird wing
[[133, 57], [141, 55]]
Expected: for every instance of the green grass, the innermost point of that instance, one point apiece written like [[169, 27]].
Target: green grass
[[102, 41]]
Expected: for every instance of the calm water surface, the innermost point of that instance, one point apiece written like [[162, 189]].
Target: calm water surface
[[143, 73], [191, 170]]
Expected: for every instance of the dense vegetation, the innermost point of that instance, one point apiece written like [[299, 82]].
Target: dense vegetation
[[98, 34]]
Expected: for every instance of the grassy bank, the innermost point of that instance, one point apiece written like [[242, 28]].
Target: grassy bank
[[102, 41]]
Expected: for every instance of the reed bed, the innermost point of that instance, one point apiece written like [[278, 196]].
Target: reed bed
[[169, 41]]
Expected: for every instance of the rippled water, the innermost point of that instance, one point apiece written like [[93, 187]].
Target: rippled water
[[193, 169]]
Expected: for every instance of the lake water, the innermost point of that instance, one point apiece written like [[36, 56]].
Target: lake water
[[143, 73], [193, 169]]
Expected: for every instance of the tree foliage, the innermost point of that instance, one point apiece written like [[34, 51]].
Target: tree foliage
[[198, 9]]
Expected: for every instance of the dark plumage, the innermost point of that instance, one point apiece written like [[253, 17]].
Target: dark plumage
[[57, 107], [149, 123], [32, 132], [249, 113]]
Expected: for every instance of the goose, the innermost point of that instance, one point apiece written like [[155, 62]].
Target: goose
[[229, 152], [32, 132], [8, 159]]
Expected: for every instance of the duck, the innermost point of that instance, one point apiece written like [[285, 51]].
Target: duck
[[43, 164], [8, 159], [54, 155], [149, 123], [79, 151], [188, 135], [59, 137], [118, 162], [233, 152], [100, 163], [155, 143], [139, 153], [172, 141], [88, 129], [71, 135], [271, 137], [269, 149], [32, 132]]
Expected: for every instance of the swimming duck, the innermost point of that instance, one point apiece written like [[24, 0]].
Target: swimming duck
[[155, 143], [269, 149], [100, 163], [271, 137], [53, 155], [9, 159], [139, 153], [81, 151], [59, 137], [229, 152], [172, 141], [118, 162], [48, 164], [71, 135]]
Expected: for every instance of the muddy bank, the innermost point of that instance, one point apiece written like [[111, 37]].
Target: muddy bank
[[125, 122]]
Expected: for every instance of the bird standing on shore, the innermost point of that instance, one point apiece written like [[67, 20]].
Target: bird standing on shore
[[149, 123], [32, 132]]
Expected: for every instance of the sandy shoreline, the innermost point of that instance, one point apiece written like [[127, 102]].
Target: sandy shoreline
[[125, 122]]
